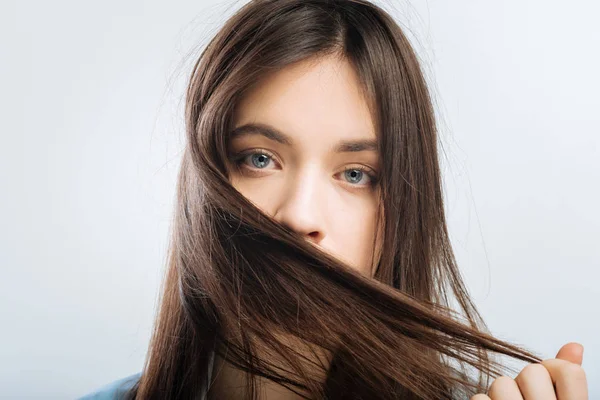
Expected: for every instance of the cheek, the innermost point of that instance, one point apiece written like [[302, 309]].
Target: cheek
[[258, 191]]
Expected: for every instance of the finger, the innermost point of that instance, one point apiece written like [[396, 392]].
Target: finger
[[572, 352], [505, 388], [480, 397], [568, 378], [534, 382]]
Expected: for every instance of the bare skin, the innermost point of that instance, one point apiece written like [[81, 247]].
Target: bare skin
[[322, 195], [310, 182], [560, 378]]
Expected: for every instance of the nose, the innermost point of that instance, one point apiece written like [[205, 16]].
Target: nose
[[301, 207]]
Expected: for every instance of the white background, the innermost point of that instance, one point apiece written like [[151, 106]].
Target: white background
[[91, 97]]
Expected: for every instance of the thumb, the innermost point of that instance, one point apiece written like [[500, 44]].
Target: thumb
[[572, 352]]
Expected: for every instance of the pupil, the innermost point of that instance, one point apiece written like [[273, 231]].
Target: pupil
[[259, 160], [354, 174]]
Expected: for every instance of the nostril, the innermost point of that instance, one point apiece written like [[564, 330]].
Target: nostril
[[314, 235], [314, 238]]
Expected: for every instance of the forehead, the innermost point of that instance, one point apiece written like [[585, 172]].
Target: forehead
[[316, 100]]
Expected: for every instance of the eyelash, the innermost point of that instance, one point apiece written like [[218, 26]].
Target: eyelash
[[238, 159]]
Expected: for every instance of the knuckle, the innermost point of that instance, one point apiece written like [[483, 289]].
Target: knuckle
[[500, 384], [573, 371], [532, 370]]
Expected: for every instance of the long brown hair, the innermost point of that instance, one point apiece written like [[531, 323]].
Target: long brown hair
[[231, 265]]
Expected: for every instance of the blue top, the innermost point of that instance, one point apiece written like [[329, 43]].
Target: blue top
[[117, 389], [114, 390]]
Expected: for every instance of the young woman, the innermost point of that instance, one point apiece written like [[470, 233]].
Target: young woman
[[310, 256]]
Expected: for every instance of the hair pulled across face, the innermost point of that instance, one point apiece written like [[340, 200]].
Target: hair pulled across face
[[246, 285]]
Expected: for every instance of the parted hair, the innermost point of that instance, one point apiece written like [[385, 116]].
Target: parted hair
[[237, 280]]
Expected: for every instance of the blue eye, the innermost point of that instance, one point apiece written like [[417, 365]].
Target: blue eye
[[260, 160], [354, 175]]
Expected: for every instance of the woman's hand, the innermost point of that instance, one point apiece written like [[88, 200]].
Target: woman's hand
[[560, 378]]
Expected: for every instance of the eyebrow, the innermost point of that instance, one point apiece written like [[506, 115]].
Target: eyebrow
[[268, 131]]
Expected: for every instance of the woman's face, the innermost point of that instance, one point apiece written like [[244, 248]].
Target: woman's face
[[306, 153]]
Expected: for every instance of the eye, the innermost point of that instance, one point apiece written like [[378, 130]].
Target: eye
[[360, 176], [257, 159]]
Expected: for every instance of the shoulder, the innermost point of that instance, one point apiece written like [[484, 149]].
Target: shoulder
[[114, 390]]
